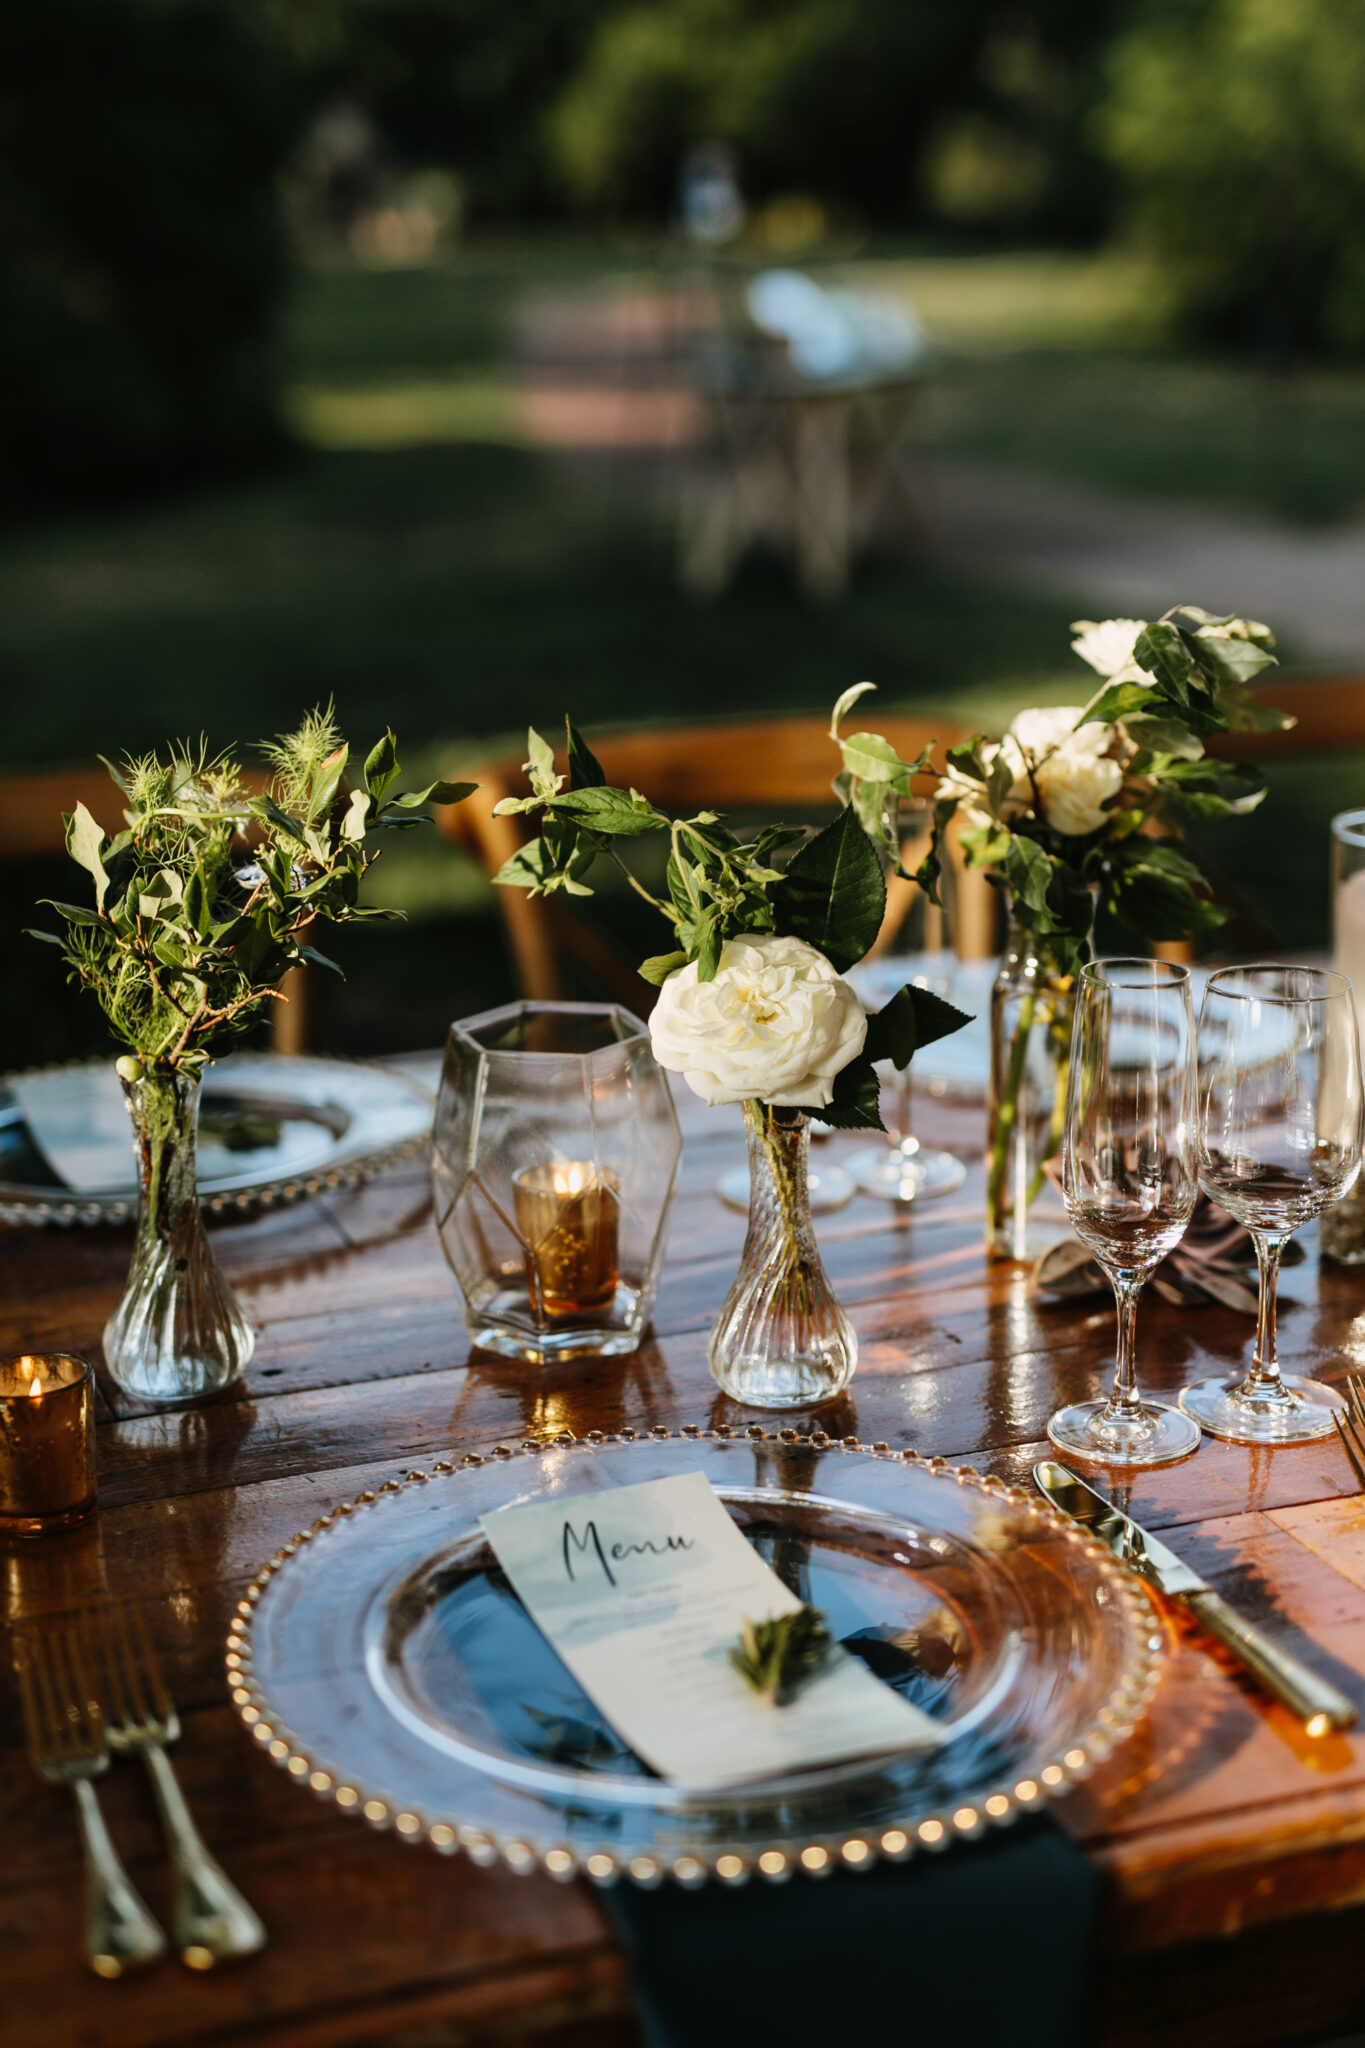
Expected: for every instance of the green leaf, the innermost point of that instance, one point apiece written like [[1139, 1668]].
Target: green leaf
[[85, 843], [1242, 713], [1124, 700], [965, 757], [891, 1033], [320, 960], [585, 770], [1164, 736], [659, 966], [857, 1099], [873, 759], [934, 1018], [540, 755], [1164, 652], [1213, 789], [353, 824], [710, 945], [844, 704], [74, 913], [381, 767], [48, 938], [834, 893], [434, 793], [609, 811], [1028, 871], [266, 807]]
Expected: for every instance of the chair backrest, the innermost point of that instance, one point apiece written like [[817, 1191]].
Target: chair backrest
[[1330, 715], [748, 765]]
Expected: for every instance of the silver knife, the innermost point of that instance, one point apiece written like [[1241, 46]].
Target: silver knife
[[1309, 1698]]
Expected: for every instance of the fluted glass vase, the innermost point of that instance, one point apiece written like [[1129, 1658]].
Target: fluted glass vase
[[179, 1331], [782, 1340]]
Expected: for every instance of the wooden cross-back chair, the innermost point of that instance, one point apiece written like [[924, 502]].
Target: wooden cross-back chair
[[31, 815], [751, 766]]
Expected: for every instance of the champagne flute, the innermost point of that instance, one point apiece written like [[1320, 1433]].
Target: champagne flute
[[1279, 1134], [1129, 1180]]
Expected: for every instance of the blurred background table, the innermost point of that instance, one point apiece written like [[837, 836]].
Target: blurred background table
[[1235, 1848]]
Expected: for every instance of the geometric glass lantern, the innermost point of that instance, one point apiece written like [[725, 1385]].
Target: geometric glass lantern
[[554, 1155]]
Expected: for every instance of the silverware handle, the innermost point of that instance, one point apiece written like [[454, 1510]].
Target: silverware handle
[[210, 1919], [120, 1934], [1311, 1699]]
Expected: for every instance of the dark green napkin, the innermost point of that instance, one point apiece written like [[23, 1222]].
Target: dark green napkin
[[987, 1945]]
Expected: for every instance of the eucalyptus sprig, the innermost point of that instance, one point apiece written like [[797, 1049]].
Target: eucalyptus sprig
[[831, 893], [777, 1657], [207, 896]]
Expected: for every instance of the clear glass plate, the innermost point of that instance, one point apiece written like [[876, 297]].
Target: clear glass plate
[[273, 1128], [383, 1660]]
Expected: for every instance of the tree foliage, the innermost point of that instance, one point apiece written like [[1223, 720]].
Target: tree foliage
[[1236, 128]]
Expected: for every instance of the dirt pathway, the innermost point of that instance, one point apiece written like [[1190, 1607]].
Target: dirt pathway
[[1136, 556]]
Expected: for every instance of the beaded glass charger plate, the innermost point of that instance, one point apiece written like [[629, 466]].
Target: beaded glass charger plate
[[272, 1128], [383, 1660]]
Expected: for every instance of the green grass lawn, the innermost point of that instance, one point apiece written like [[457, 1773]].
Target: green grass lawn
[[419, 563]]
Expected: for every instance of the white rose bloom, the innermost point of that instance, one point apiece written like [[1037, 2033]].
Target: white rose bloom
[[777, 1024], [1071, 767], [1108, 646], [1075, 786]]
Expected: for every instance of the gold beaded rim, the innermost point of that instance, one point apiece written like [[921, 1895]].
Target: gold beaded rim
[[816, 1858]]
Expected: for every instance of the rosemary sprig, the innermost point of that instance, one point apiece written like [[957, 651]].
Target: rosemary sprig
[[775, 1658]]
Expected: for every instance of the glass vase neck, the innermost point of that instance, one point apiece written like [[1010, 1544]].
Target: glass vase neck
[[781, 1340], [179, 1332]]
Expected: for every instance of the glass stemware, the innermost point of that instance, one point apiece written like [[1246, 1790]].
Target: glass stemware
[[1129, 1181], [915, 947], [1279, 1134]]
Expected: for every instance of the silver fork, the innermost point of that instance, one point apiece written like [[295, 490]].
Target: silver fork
[[67, 1746], [1351, 1426], [210, 1919]]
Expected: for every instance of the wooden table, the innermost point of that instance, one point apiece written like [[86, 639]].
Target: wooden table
[[1236, 1848]]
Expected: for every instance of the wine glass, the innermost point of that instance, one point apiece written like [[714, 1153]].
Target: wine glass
[[914, 947], [1129, 1180], [1279, 1135]]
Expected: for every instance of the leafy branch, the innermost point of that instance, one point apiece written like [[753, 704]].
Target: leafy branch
[[208, 895], [831, 892]]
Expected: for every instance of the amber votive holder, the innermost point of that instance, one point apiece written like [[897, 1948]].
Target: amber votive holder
[[47, 1443], [568, 1217]]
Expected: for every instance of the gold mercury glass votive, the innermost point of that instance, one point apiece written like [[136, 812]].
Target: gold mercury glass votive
[[568, 1217], [47, 1443]]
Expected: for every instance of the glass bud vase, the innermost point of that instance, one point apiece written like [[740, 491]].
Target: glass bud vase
[[1032, 1004], [179, 1332], [782, 1340]]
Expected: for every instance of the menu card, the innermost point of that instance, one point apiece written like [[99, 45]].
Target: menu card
[[642, 1590]]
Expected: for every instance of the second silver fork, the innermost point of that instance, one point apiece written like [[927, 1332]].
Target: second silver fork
[[210, 1920]]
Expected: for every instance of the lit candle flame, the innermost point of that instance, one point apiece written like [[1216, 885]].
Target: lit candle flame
[[571, 1180], [31, 1365]]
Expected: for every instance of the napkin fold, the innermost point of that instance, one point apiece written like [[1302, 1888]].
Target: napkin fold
[[989, 1942]]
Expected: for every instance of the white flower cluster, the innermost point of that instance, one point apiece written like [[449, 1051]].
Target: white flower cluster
[[1067, 770], [776, 1024], [1072, 773]]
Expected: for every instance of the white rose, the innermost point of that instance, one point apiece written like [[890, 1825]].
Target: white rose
[[1071, 767], [1108, 646], [1075, 787], [777, 1024]]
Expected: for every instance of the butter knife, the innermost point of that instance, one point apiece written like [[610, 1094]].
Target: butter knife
[[1309, 1698]]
